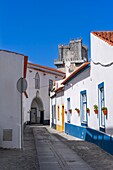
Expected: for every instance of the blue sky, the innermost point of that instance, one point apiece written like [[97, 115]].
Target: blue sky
[[36, 27]]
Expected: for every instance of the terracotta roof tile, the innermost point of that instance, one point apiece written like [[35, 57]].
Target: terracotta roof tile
[[59, 89], [107, 36], [48, 68]]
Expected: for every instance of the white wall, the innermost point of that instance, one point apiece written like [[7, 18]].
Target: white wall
[[103, 52], [11, 70], [59, 102], [89, 80], [43, 92]]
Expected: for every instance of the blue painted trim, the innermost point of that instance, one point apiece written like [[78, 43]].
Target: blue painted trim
[[91, 135], [101, 85], [101, 127], [81, 107], [68, 98], [84, 124], [83, 92]]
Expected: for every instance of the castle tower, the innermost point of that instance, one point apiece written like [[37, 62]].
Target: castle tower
[[74, 53]]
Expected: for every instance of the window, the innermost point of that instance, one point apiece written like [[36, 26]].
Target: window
[[68, 113], [50, 86], [101, 103], [37, 81], [83, 106]]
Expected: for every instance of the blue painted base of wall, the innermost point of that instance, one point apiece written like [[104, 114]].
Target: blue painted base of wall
[[102, 140]]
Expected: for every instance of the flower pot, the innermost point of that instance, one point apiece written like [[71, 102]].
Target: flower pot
[[88, 111], [78, 111], [96, 111], [105, 112], [70, 111]]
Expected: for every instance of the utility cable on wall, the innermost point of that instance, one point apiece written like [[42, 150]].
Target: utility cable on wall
[[103, 65]]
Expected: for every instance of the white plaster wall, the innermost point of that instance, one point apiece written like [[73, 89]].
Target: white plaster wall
[[89, 81], [103, 52], [11, 70], [43, 92], [52, 103], [59, 102]]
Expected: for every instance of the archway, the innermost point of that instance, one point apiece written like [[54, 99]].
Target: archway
[[37, 111]]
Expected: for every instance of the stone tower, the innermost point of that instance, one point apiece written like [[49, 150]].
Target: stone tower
[[72, 55]]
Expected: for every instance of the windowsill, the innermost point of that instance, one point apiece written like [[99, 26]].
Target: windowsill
[[102, 129], [84, 124]]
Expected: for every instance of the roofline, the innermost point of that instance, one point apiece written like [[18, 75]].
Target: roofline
[[105, 40], [76, 72], [48, 72], [8, 51], [45, 67], [59, 89]]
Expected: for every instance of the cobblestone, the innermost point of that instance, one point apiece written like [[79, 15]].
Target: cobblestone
[[93, 155], [56, 150], [15, 159]]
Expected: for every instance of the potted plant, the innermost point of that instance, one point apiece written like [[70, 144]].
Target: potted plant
[[88, 111], [105, 110], [78, 111], [70, 110], [95, 109]]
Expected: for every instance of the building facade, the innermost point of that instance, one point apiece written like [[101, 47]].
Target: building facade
[[12, 68], [89, 88], [40, 82]]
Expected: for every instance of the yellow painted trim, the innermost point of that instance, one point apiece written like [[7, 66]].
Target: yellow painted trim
[[59, 128]]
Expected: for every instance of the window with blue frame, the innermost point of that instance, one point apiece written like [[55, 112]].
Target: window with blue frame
[[68, 113], [83, 107], [101, 103]]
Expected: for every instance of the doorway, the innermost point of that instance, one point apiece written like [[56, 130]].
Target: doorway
[[37, 111], [33, 116]]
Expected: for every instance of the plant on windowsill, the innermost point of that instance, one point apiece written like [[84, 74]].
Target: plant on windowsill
[[88, 111], [95, 109], [105, 110], [70, 110], [78, 111]]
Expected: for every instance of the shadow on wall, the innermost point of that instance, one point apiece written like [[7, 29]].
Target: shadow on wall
[[99, 138]]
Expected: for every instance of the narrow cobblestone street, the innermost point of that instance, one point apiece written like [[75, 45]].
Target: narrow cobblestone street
[[50, 149]]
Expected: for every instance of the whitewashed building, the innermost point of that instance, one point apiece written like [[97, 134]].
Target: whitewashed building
[[40, 82], [12, 67], [89, 85], [57, 106]]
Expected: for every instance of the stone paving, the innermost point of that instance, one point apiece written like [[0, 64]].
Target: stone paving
[[26, 159], [70, 152], [49, 149], [93, 155], [54, 154]]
